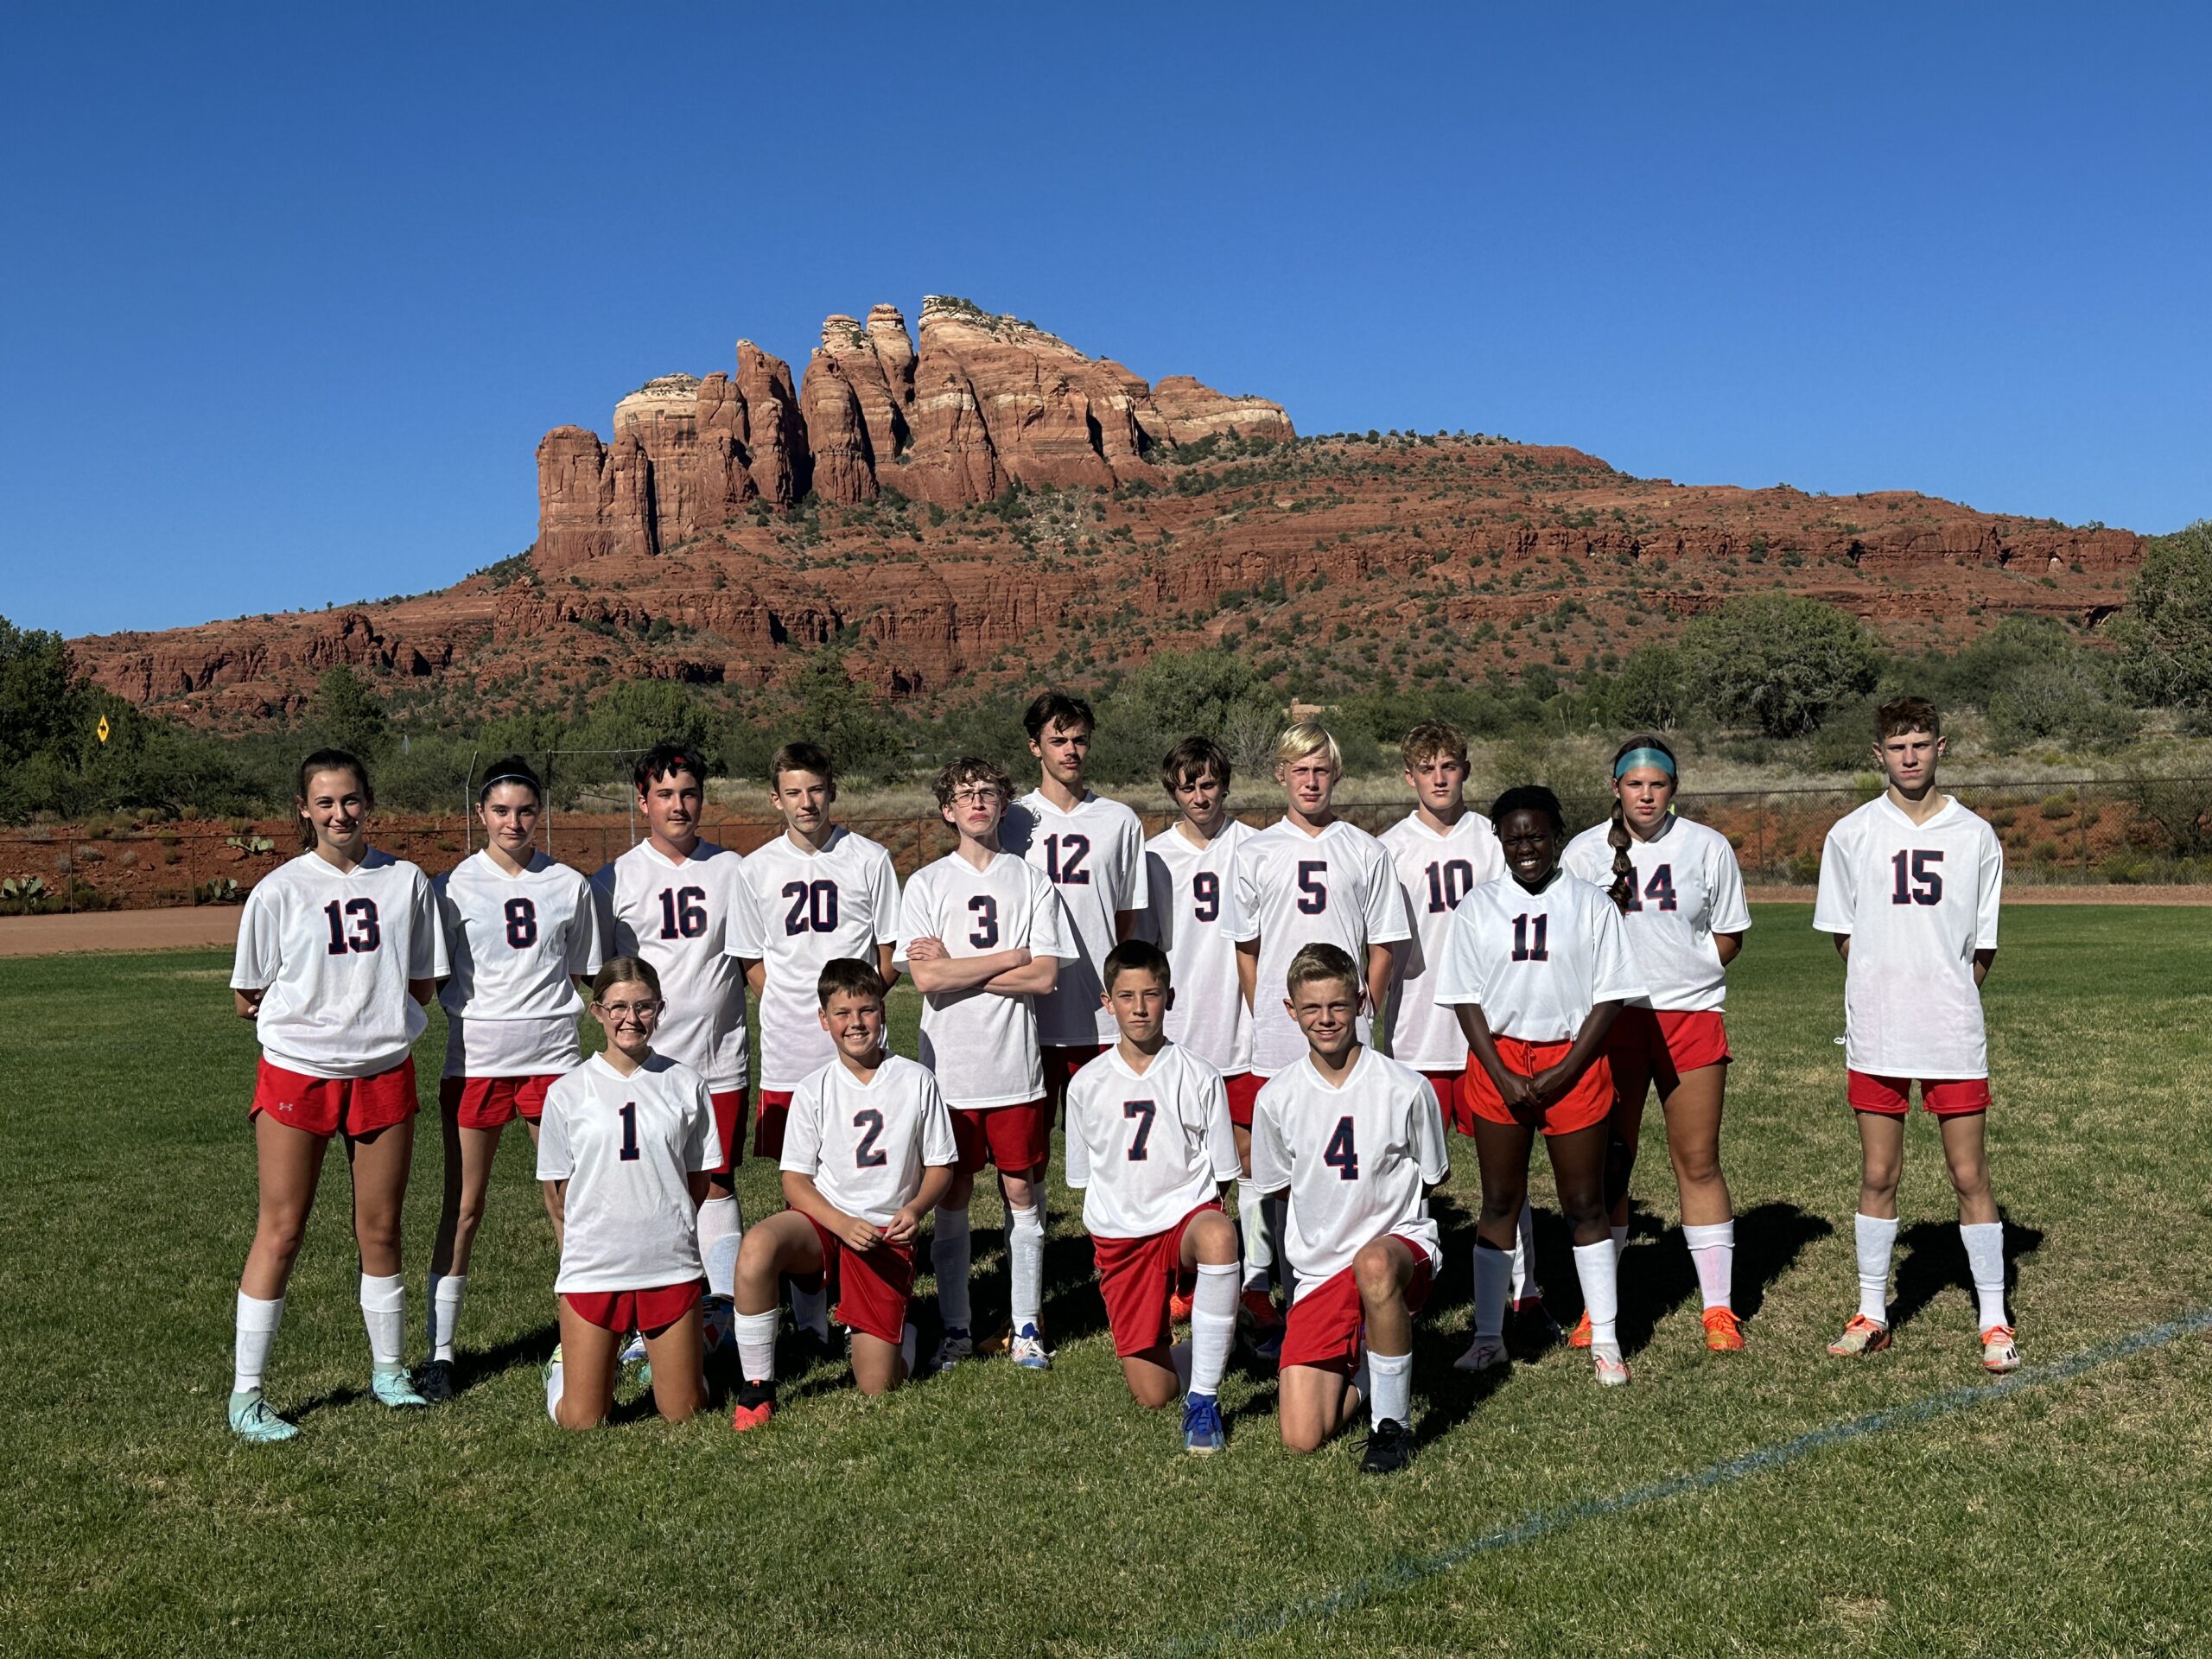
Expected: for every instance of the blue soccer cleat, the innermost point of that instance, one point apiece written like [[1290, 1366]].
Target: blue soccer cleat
[[391, 1386], [1028, 1349], [251, 1419], [1203, 1434]]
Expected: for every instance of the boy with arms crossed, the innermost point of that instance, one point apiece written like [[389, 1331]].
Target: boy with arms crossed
[[867, 1152], [1909, 888], [1356, 1141], [981, 935], [1150, 1147]]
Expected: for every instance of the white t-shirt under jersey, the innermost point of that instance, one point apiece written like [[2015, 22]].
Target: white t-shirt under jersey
[[1292, 890], [1917, 900], [1094, 857], [1434, 874], [677, 914], [865, 1144], [1536, 963], [333, 950], [517, 943], [803, 909], [1687, 889], [627, 1147], [1190, 913], [1145, 1149], [982, 1046], [1358, 1159]]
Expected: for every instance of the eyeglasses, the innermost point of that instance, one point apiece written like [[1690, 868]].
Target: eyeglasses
[[983, 796], [619, 1012]]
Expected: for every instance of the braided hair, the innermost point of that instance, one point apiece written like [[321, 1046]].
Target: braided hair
[[1622, 891]]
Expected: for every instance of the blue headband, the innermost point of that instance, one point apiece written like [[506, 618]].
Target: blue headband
[[1636, 757]]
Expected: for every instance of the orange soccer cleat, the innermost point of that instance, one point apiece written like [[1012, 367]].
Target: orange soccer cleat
[[1999, 1352], [1178, 1305], [756, 1404], [1861, 1335], [1580, 1337], [1722, 1333]]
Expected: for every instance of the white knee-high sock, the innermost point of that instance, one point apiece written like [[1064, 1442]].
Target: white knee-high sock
[[1524, 1257], [384, 1310], [1620, 1242], [1713, 1252], [1985, 1242], [1875, 1236], [553, 1389], [1213, 1324], [447, 1290], [1392, 1376], [721, 1230], [1025, 1250], [948, 1249], [756, 1345], [1493, 1277], [1259, 1240], [256, 1330], [1596, 1266]]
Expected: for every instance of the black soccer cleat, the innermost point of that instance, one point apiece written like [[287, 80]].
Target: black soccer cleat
[[1389, 1448]]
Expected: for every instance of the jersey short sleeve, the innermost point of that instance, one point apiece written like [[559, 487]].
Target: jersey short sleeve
[[803, 908], [679, 915]]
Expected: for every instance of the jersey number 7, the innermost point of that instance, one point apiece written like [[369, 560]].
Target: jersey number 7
[[1144, 1112]]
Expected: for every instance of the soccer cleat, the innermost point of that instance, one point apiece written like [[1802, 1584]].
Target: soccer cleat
[[1178, 1307], [551, 1377], [434, 1381], [251, 1419], [1723, 1333], [717, 1320], [1580, 1338], [756, 1404], [1999, 1352], [955, 1346], [1611, 1369], [1861, 1335], [1389, 1448], [1260, 1311], [1483, 1354], [633, 1350], [1532, 1322], [390, 1386], [1203, 1434], [1027, 1350]]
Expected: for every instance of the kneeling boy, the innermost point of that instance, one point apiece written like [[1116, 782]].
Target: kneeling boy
[[1357, 1142], [867, 1152], [1151, 1147]]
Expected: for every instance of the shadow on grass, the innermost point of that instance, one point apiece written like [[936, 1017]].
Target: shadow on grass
[[1933, 1260], [533, 1347]]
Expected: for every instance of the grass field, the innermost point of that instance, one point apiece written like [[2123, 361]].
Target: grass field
[[993, 1511]]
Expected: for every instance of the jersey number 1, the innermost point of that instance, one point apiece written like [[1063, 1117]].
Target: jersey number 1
[[629, 1132]]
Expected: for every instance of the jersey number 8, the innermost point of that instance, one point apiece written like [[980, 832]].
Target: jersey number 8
[[522, 923]]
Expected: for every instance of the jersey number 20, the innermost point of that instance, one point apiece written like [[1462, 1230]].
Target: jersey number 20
[[813, 905]]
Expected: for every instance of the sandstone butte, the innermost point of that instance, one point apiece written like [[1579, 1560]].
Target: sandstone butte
[[992, 505]]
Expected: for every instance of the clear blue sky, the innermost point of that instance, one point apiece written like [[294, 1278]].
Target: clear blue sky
[[291, 293]]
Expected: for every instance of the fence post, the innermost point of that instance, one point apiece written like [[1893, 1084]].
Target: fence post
[[2082, 823]]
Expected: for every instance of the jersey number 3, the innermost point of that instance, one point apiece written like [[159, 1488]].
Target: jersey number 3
[[363, 936]]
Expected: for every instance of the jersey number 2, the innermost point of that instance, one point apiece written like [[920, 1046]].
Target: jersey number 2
[[867, 1155], [363, 936]]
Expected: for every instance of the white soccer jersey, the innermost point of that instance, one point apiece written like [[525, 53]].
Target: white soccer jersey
[[1094, 857], [1292, 890], [1536, 963], [981, 1045], [865, 1144], [1358, 1160], [517, 943], [1145, 1149], [1687, 888], [333, 950], [678, 916], [1434, 874], [627, 1147], [802, 909], [1917, 900], [1191, 915]]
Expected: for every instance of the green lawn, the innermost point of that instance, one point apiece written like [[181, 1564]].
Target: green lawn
[[997, 1512]]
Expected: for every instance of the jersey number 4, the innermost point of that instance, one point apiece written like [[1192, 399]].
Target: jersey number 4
[[1660, 889], [813, 905], [682, 912], [1919, 882], [1343, 1154], [363, 936], [1063, 856]]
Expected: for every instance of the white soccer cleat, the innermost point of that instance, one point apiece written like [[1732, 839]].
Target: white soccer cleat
[[1027, 1350], [1999, 1352], [1610, 1369], [1483, 1354]]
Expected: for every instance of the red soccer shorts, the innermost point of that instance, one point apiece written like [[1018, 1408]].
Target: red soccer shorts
[[325, 1106], [648, 1312], [1648, 1046], [729, 1124], [1893, 1097], [1448, 1093], [1016, 1139], [1588, 1100], [872, 1287], [494, 1102], [1135, 1276], [1061, 1064], [1325, 1322], [1244, 1088], [768, 1124]]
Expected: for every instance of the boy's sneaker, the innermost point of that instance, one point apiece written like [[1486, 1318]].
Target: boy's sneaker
[[1723, 1334], [756, 1404], [1028, 1350], [1389, 1448], [1861, 1335], [251, 1419], [1610, 1369], [434, 1381], [1483, 1354], [1202, 1431], [390, 1387], [717, 1319], [1580, 1338], [1532, 1322], [953, 1347], [1999, 1351]]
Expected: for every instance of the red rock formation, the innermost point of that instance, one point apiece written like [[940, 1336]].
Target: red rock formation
[[836, 424], [1189, 412], [774, 434]]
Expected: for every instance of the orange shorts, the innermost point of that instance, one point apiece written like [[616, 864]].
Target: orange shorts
[[1244, 1088], [1588, 1099], [494, 1102], [1893, 1097], [648, 1312], [729, 1124], [326, 1106], [1326, 1325], [768, 1124], [872, 1287], [1648, 1046], [1449, 1097], [1016, 1139], [1135, 1278]]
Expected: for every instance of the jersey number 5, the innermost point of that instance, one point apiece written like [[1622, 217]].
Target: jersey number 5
[[1313, 889], [1919, 882], [363, 936]]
